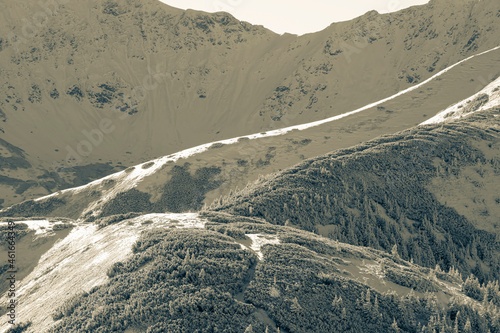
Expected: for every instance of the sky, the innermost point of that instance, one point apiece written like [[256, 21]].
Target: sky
[[294, 16]]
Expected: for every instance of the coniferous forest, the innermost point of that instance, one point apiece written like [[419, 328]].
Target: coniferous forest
[[204, 281], [379, 194]]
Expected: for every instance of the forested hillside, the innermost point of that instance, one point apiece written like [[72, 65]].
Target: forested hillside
[[381, 194], [221, 280]]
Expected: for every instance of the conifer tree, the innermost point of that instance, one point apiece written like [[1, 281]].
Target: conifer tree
[[202, 275], [375, 306], [295, 305], [467, 327], [394, 326], [394, 251]]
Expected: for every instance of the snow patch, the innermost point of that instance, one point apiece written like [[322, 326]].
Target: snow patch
[[179, 221], [259, 240], [41, 227], [467, 106], [375, 269]]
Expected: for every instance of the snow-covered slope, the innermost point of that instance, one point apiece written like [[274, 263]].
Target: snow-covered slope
[[487, 98], [80, 261]]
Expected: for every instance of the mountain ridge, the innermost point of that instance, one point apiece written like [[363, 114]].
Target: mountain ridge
[[385, 192]]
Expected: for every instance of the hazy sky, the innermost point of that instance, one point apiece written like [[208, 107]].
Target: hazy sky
[[295, 16]]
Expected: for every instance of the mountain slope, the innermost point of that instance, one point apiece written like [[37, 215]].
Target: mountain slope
[[231, 273], [353, 238], [384, 194], [189, 178], [388, 192], [116, 71]]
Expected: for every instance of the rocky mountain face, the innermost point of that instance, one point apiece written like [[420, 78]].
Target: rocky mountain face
[[89, 88]]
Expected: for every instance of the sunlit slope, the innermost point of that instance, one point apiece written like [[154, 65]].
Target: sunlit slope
[[217, 271], [78, 262]]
